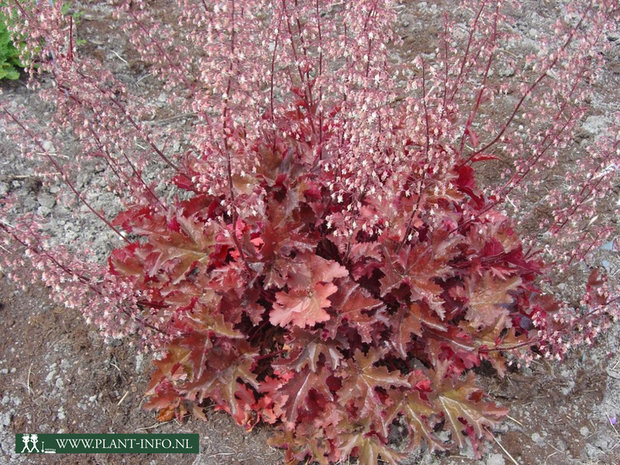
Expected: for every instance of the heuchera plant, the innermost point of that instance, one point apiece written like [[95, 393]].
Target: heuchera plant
[[328, 264], [333, 337]]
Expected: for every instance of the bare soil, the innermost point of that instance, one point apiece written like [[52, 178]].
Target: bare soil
[[58, 376]]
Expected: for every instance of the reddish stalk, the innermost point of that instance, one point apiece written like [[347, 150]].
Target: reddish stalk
[[425, 167], [476, 107], [64, 176], [69, 272], [530, 89]]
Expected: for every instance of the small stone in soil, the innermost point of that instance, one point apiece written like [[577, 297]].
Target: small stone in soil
[[495, 459]]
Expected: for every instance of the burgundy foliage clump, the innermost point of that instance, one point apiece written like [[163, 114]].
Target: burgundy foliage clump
[[333, 337]]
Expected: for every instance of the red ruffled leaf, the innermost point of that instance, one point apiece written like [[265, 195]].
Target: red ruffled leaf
[[463, 406], [488, 298]]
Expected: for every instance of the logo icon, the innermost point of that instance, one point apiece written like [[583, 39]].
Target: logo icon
[[30, 443]]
